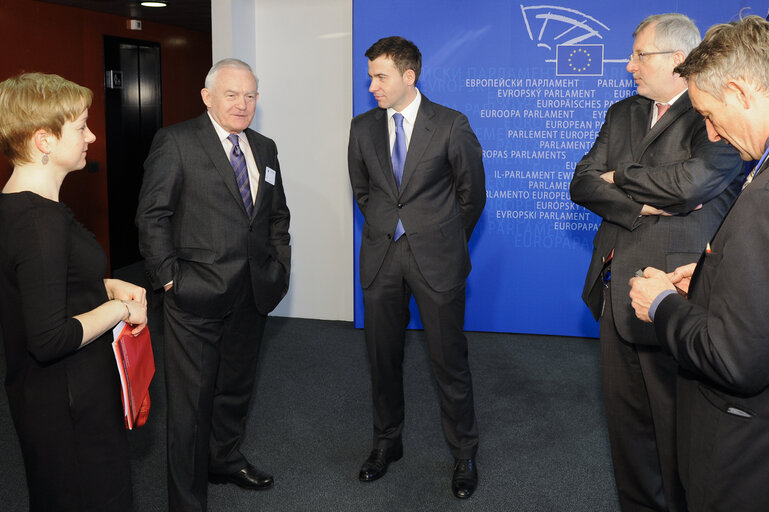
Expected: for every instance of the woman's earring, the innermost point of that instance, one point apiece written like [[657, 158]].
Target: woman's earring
[[45, 158]]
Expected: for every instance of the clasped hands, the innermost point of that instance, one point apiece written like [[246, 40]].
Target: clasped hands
[[135, 299], [643, 290]]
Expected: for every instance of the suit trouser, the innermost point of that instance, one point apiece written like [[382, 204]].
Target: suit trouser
[[386, 303], [639, 387], [210, 366]]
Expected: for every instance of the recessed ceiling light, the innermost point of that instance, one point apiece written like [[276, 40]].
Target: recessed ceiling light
[[154, 4]]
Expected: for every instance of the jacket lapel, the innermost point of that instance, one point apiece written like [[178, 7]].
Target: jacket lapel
[[256, 150], [420, 138], [381, 139], [211, 144], [681, 106], [639, 125]]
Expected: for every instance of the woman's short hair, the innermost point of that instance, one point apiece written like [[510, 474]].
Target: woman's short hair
[[34, 101]]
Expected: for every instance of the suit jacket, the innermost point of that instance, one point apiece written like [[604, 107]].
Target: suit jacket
[[193, 227], [442, 193], [720, 338], [673, 167]]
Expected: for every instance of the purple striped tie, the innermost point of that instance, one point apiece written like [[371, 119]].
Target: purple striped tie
[[238, 161]]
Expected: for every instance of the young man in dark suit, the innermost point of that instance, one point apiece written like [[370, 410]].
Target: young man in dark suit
[[720, 335], [416, 170], [213, 229], [662, 189]]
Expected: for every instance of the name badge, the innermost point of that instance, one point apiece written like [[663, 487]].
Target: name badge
[[269, 176]]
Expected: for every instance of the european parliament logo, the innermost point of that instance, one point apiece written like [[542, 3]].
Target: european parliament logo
[[570, 32], [579, 60]]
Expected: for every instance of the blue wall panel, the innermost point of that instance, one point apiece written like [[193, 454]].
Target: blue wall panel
[[535, 81]]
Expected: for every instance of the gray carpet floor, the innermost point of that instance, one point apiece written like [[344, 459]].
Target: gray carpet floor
[[543, 445]]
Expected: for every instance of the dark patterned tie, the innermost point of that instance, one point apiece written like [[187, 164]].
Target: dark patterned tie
[[399, 158], [238, 161]]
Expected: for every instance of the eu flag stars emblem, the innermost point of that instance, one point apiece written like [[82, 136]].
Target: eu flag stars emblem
[[579, 60]]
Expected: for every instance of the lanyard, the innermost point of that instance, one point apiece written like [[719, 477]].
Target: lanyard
[[755, 169]]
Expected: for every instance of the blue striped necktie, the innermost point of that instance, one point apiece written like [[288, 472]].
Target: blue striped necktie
[[238, 161], [399, 158]]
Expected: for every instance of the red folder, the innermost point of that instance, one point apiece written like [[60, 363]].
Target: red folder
[[136, 366]]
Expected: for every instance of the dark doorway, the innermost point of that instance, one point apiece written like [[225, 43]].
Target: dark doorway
[[133, 115]]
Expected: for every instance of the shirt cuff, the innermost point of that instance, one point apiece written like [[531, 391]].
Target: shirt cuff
[[656, 302]]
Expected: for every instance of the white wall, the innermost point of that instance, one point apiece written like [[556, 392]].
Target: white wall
[[301, 50]]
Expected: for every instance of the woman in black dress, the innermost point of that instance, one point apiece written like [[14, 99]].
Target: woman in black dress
[[57, 311]]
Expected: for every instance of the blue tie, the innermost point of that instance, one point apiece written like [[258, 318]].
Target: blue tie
[[399, 158], [238, 161]]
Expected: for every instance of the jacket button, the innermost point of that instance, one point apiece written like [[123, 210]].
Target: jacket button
[[389, 235], [400, 205]]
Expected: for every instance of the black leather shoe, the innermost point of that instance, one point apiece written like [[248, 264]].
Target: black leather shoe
[[248, 478], [377, 462], [465, 478]]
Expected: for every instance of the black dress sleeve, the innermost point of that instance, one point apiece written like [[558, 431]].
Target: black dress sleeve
[[43, 240]]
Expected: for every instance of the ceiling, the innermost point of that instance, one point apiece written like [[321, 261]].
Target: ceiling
[[191, 14]]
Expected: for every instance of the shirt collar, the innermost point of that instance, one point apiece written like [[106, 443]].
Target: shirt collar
[[674, 98], [766, 153], [221, 132], [410, 112]]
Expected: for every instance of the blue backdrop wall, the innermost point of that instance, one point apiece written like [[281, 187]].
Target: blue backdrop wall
[[535, 81]]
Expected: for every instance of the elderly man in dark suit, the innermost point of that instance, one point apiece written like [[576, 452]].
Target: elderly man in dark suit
[[213, 229], [416, 170], [662, 189], [720, 335]]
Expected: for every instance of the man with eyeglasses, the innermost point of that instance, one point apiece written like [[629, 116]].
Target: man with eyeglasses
[[661, 188]]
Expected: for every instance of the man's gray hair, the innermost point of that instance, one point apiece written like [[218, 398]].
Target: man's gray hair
[[736, 50], [227, 63], [672, 31]]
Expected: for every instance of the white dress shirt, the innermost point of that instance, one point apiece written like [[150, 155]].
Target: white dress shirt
[[409, 118], [253, 170]]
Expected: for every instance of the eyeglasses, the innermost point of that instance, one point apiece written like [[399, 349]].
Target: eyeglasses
[[640, 55]]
